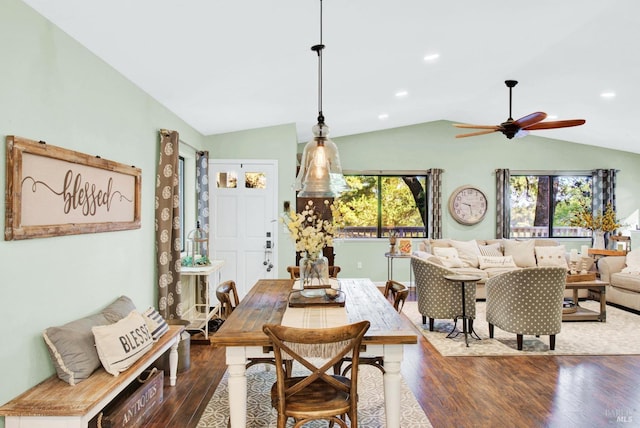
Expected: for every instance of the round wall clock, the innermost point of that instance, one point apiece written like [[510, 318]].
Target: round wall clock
[[468, 205]]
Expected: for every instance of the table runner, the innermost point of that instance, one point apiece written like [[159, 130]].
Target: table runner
[[316, 317]]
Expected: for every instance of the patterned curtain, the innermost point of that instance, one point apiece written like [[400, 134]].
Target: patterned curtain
[[435, 203], [604, 190], [202, 194], [503, 204], [168, 227]]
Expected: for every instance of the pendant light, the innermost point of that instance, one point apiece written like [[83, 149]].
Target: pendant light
[[320, 174]]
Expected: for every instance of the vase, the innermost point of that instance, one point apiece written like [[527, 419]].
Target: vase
[[314, 272], [598, 239]]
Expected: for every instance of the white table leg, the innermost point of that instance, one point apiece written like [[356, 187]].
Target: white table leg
[[173, 361], [236, 362], [392, 384]]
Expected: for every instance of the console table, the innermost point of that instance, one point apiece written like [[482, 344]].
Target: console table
[[199, 314], [390, 257]]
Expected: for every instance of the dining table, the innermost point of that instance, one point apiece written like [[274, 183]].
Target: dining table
[[267, 303]]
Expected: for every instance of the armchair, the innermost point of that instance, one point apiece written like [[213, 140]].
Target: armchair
[[527, 301], [439, 298]]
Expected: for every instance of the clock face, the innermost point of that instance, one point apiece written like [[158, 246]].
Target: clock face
[[468, 205]]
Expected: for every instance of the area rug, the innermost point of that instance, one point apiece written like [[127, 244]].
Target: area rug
[[619, 335], [260, 413]]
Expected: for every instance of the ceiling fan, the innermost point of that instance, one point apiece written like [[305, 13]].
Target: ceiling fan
[[520, 127]]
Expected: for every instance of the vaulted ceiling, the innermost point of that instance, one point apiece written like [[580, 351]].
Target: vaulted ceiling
[[224, 66]]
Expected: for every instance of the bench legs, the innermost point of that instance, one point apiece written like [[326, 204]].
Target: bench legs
[[173, 361]]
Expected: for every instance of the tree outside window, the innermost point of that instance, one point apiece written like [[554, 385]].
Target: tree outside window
[[377, 204], [543, 205]]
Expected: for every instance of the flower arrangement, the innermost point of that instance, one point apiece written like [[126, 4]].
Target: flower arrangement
[[602, 222], [309, 231]]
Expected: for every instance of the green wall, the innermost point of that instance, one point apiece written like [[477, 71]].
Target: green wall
[[468, 161], [53, 89]]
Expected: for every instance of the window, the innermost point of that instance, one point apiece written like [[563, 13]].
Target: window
[[377, 204], [542, 205]]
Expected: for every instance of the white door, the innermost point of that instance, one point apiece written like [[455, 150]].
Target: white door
[[243, 214]]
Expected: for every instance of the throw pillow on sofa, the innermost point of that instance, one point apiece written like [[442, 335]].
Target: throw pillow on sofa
[[491, 250], [468, 252], [632, 262], [156, 323], [488, 262], [448, 256], [523, 252], [552, 256], [121, 344]]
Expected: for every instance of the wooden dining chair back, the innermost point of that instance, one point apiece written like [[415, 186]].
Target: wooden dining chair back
[[228, 297], [398, 291], [316, 395], [294, 271]]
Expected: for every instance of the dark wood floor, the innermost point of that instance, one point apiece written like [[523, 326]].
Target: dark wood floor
[[467, 391]]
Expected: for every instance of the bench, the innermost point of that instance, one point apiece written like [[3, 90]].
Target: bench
[[54, 403]]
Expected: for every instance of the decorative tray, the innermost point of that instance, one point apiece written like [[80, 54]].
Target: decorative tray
[[578, 277], [315, 297]]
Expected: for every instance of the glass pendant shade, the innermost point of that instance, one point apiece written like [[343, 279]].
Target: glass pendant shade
[[320, 174]]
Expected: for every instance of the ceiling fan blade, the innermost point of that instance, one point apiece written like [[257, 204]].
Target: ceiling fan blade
[[473, 134], [464, 125], [530, 119], [556, 124]]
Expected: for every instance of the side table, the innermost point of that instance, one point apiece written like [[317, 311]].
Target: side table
[[463, 280], [390, 257]]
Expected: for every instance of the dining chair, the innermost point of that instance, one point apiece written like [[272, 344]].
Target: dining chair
[[294, 271], [398, 291], [228, 296], [316, 395]]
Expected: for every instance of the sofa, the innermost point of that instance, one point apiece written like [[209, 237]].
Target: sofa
[[491, 257], [623, 275]]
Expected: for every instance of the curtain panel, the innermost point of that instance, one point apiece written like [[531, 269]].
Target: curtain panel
[[503, 204], [168, 240], [604, 190], [202, 194], [435, 203]]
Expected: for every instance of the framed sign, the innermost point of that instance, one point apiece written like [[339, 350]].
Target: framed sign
[[51, 191]]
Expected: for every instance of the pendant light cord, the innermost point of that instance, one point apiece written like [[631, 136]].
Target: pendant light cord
[[318, 49]]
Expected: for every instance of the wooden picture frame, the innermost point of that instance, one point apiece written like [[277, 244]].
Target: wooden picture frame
[[51, 191]]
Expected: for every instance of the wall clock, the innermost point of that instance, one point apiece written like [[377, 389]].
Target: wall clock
[[468, 205]]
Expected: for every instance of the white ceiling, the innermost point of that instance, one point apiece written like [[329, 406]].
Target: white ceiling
[[239, 64]]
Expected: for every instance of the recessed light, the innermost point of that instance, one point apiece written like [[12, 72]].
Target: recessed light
[[401, 94], [383, 116], [431, 57], [608, 94]]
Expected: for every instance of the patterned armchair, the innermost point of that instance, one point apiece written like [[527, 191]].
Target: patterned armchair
[[439, 298], [527, 301]]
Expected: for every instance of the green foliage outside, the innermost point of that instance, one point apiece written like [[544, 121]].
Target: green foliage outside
[[531, 202], [398, 206]]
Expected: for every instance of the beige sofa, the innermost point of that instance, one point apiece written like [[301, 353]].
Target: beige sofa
[[623, 277], [523, 254]]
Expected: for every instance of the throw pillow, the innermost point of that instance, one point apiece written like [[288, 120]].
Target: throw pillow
[[491, 250], [487, 262], [632, 262], [467, 251], [119, 309], [448, 256], [121, 344], [552, 256], [72, 348], [523, 252], [156, 323]]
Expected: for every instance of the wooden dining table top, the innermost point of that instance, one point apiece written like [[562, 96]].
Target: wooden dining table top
[[267, 301]]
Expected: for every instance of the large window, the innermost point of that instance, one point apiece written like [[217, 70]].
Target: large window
[[377, 204], [542, 205]]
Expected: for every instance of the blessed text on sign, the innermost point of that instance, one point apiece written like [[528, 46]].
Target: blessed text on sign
[[54, 191]]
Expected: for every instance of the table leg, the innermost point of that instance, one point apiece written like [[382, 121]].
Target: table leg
[[464, 315], [392, 384], [603, 303], [236, 362]]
